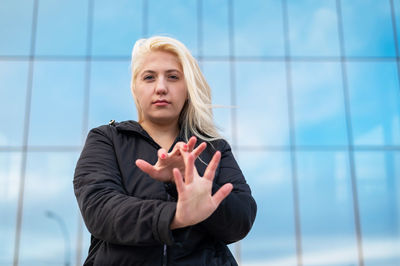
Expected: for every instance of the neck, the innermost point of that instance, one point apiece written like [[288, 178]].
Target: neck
[[163, 134]]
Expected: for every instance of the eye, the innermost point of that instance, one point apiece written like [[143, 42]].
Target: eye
[[173, 77], [148, 77]]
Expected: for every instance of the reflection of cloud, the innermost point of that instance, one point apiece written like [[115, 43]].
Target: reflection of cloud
[[372, 136], [52, 182], [378, 136], [50, 189], [265, 169], [262, 104], [374, 250], [317, 92], [3, 140], [10, 178], [341, 177], [39, 252], [315, 33]]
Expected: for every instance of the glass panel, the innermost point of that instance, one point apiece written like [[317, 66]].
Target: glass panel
[[85, 244], [15, 27], [49, 226], [10, 174], [116, 26], [218, 77], [378, 185], [110, 93], [262, 104], [375, 103], [215, 28], [367, 28], [258, 28], [175, 18], [62, 27], [57, 103], [326, 209], [13, 84], [313, 28], [272, 239], [397, 18], [318, 104]]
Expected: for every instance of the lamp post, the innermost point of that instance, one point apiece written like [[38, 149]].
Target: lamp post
[[64, 230]]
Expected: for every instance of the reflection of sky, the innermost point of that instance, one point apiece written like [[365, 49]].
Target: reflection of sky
[[110, 94], [326, 218], [318, 104]]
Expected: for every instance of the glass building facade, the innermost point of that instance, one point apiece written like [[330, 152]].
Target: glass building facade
[[308, 94]]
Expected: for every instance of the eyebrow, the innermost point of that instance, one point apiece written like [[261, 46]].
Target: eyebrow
[[168, 71]]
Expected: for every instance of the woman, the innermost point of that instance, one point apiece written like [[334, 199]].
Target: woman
[[192, 202]]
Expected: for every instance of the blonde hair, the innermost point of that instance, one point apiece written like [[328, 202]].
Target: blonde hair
[[196, 116]]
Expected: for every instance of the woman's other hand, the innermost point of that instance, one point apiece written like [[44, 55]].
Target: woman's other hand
[[195, 202], [166, 162]]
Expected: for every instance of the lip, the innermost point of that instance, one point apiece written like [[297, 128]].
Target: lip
[[161, 102]]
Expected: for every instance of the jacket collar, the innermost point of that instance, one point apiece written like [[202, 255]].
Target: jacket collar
[[129, 125], [134, 127]]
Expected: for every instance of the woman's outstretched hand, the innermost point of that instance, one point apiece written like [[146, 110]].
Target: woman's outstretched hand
[[166, 162], [195, 202]]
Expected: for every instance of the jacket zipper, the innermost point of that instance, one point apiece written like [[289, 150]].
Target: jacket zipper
[[164, 260], [165, 254]]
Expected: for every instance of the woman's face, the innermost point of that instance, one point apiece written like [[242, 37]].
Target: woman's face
[[160, 88]]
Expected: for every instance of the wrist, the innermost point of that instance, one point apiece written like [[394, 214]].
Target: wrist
[[175, 224]]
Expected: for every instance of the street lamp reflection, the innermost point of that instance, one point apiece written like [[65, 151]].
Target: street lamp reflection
[[64, 231]]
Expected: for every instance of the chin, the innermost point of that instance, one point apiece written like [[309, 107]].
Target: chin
[[165, 120]]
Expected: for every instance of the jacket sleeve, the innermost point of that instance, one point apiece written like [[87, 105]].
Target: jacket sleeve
[[235, 216], [110, 214]]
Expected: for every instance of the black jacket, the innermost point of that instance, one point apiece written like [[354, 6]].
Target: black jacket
[[128, 213]]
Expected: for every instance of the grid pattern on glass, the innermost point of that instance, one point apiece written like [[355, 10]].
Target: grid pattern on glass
[[313, 28], [12, 16], [13, 80], [318, 104], [272, 239], [251, 40], [176, 19], [262, 25], [48, 214], [218, 75], [326, 211], [368, 28], [110, 93], [10, 170], [115, 37], [378, 192], [61, 28], [57, 104], [375, 102], [262, 101]]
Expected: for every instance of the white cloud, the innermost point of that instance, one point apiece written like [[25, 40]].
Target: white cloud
[[10, 178]]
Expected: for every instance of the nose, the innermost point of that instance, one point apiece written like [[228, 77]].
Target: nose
[[161, 86]]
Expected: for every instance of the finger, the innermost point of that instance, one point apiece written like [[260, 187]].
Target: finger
[[196, 152], [222, 193], [162, 154], [178, 180], [191, 143], [212, 166], [178, 146], [146, 167], [189, 169]]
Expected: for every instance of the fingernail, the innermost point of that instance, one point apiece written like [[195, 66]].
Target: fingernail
[[185, 147], [163, 156]]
